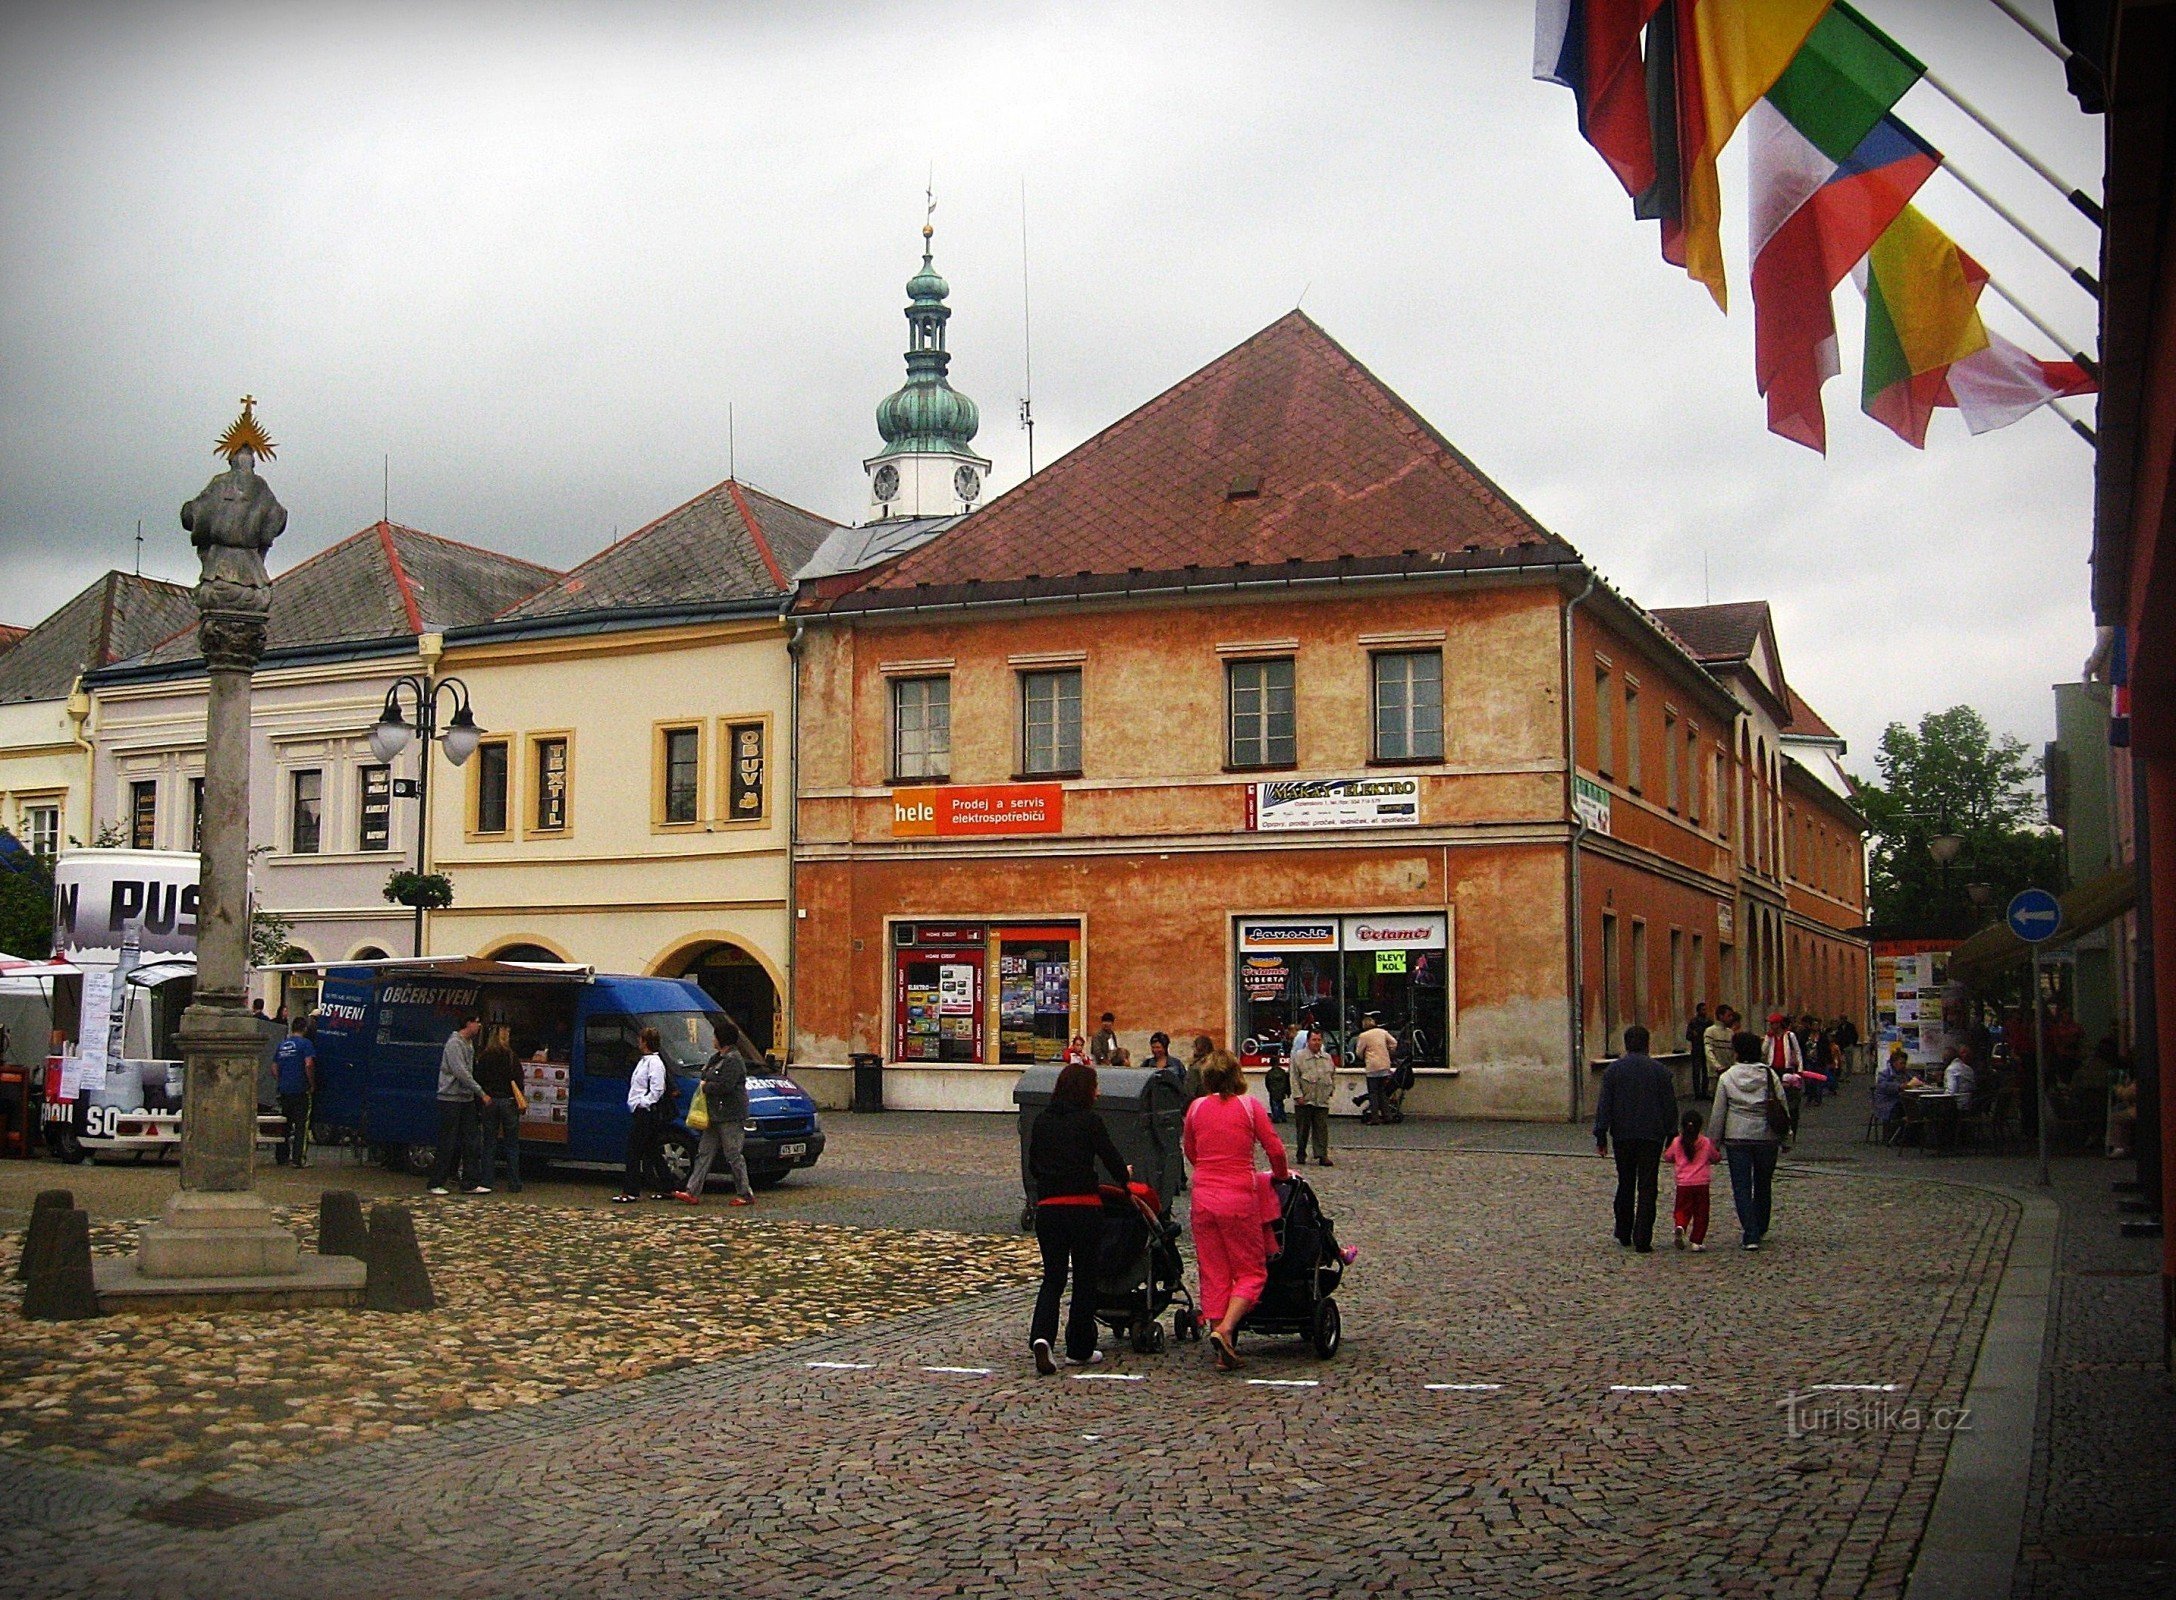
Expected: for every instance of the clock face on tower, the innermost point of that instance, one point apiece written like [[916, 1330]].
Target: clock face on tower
[[886, 483], [967, 483]]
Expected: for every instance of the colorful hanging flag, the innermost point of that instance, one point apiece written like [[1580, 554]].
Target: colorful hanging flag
[[1592, 47], [1922, 316], [2000, 384], [1727, 54], [1804, 247]]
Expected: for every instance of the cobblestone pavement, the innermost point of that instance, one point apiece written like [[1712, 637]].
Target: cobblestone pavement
[[535, 1301], [875, 1474]]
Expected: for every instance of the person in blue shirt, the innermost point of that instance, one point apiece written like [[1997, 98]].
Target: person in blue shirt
[[296, 1062]]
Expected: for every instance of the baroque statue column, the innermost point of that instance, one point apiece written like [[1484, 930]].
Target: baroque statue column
[[215, 1225]]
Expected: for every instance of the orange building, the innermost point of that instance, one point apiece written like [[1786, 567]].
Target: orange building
[[1254, 708]]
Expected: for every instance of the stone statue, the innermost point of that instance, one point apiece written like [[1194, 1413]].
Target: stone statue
[[232, 522]]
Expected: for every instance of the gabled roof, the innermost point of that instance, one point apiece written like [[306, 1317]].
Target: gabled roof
[[10, 637], [1283, 454], [1717, 635], [386, 582], [1807, 723], [730, 542], [118, 616]]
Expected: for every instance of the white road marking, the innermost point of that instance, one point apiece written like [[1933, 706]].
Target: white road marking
[[1649, 1388], [1463, 1388], [968, 1372], [1109, 1377], [1286, 1383], [1856, 1388], [842, 1366]]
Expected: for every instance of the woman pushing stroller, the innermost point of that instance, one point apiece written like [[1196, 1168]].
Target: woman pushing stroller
[[1223, 1128], [1065, 1142]]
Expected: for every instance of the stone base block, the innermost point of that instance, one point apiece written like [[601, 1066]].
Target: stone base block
[[230, 1234], [317, 1281]]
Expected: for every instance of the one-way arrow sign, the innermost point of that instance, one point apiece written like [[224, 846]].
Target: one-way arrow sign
[[2035, 915]]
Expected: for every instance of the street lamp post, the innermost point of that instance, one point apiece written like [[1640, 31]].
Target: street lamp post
[[390, 736]]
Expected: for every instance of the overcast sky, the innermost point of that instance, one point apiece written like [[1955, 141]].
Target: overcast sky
[[533, 252]]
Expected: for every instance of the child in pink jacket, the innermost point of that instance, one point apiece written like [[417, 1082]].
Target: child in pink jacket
[[1692, 1157]]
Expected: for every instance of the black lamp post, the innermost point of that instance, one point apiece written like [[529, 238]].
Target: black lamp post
[[391, 735]]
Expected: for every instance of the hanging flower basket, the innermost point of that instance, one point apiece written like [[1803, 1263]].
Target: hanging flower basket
[[425, 891]]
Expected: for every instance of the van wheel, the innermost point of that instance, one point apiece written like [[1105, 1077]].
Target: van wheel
[[70, 1148], [417, 1159], [679, 1158]]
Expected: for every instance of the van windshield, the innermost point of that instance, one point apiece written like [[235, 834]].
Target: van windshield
[[686, 1035]]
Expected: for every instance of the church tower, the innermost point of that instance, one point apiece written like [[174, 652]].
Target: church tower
[[926, 468]]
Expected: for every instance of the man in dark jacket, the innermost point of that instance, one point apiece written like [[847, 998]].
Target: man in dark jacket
[[1696, 1033], [1638, 1110]]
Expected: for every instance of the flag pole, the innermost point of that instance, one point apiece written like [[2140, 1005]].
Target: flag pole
[[2054, 46], [2077, 274], [2069, 191], [2082, 429], [2091, 366]]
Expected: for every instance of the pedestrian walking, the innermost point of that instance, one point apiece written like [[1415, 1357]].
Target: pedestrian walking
[[1717, 1057], [1065, 1142], [724, 1090], [1166, 1065], [1223, 1129], [499, 1078], [1750, 1117], [1277, 1084], [296, 1063], [1696, 1046], [1204, 1048], [1692, 1158], [1377, 1048], [647, 1091], [1314, 1084], [459, 1100], [1786, 1058], [1637, 1113], [1103, 1048]]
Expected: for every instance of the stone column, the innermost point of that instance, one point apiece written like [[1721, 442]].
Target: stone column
[[215, 1226]]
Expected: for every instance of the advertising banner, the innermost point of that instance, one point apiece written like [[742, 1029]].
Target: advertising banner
[[978, 810], [1590, 804], [1333, 803], [1420, 931], [1287, 933], [100, 895]]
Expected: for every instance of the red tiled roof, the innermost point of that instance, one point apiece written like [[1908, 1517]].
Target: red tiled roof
[[1283, 451], [10, 636], [1806, 721], [1716, 633]]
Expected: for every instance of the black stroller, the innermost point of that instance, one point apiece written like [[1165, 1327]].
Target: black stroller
[[1303, 1276], [1139, 1270]]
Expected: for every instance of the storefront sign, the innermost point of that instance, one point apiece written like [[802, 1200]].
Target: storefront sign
[[1726, 921], [1318, 934], [969, 810], [1590, 803], [1389, 961], [1420, 932], [1264, 977], [1333, 803], [747, 788]]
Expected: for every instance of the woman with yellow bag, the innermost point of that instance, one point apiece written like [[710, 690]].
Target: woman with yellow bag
[[722, 1100]]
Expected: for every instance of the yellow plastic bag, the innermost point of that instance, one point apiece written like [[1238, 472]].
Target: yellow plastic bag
[[698, 1117]]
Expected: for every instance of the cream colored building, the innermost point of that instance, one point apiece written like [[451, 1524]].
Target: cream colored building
[[45, 714], [630, 805]]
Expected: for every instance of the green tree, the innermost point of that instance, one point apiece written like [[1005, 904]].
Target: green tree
[[26, 901], [1952, 775]]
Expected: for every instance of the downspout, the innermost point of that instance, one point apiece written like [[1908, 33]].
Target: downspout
[[1576, 976], [793, 835], [78, 712]]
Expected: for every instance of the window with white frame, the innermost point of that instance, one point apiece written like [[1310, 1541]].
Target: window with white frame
[[922, 728], [1050, 722], [1263, 727], [1409, 705]]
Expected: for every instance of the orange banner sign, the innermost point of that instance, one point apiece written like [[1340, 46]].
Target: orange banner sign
[[987, 811]]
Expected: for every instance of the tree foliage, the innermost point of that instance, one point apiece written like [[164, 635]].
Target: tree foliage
[[26, 903], [1952, 775]]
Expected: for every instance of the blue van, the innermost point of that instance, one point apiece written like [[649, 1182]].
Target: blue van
[[576, 1036]]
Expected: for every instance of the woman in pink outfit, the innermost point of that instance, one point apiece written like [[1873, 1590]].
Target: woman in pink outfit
[[1222, 1129]]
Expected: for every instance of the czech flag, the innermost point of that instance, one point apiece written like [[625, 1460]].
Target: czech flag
[[1592, 47]]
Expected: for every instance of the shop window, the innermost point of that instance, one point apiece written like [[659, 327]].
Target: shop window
[[143, 815], [1632, 750], [922, 728], [41, 831], [196, 814], [1610, 984], [549, 772], [489, 796], [1035, 993], [1262, 721], [374, 808], [938, 991], [1605, 724], [1409, 706], [1329, 972], [306, 813], [1050, 723], [680, 776]]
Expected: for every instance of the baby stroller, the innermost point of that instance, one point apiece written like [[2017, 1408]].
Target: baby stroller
[[1392, 1108], [1303, 1276], [1139, 1270]]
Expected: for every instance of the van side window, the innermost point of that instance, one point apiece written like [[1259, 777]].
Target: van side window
[[610, 1047]]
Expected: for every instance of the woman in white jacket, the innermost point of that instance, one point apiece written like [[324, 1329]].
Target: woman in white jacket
[[1740, 1121]]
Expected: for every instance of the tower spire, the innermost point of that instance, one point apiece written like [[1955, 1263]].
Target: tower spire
[[927, 467]]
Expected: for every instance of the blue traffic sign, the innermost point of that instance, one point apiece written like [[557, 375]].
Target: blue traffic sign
[[2035, 915]]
